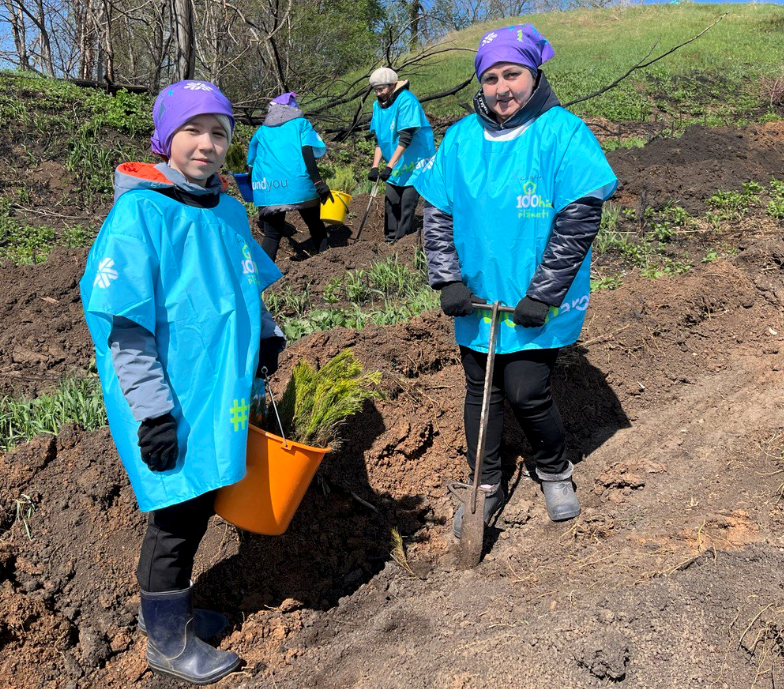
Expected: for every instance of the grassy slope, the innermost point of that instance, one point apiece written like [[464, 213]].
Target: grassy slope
[[716, 79]]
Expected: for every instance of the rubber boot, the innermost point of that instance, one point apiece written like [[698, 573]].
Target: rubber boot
[[559, 496], [173, 648], [494, 501], [207, 624]]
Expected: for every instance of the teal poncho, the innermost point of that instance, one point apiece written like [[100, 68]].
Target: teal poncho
[[503, 193], [193, 277], [404, 113], [279, 173]]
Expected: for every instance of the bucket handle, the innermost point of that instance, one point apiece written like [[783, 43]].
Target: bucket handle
[[340, 198], [267, 388]]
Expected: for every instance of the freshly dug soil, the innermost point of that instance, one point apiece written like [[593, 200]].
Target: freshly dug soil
[[689, 170], [669, 578]]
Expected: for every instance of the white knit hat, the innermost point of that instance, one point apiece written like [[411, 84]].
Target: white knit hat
[[383, 75]]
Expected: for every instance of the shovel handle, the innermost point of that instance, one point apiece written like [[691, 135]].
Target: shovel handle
[[373, 195], [489, 307], [495, 309]]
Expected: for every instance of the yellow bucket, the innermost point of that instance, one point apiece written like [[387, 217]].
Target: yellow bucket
[[277, 475], [334, 212]]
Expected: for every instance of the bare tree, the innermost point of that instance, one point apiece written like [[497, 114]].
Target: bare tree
[[182, 13], [16, 20]]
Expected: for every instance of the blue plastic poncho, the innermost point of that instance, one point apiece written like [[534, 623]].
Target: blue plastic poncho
[[503, 194], [193, 277], [404, 113], [279, 173]]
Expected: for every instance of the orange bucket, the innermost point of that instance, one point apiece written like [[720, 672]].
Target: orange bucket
[[278, 473]]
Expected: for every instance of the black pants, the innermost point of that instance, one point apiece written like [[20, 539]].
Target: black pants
[[170, 543], [273, 226], [524, 379], [400, 212]]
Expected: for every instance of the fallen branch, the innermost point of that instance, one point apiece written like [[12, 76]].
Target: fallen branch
[[642, 64]]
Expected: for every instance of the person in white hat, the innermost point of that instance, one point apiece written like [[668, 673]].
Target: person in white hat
[[403, 138]]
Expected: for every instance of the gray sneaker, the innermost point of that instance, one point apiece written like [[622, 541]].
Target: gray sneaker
[[561, 501], [494, 501]]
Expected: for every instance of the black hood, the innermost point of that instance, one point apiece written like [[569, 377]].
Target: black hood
[[542, 99]]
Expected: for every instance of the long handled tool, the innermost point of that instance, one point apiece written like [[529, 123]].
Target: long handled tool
[[373, 195], [473, 530]]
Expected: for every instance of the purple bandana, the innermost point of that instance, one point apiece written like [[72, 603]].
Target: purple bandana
[[178, 103], [520, 45], [289, 99]]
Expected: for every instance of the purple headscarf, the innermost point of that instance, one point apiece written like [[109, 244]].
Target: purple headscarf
[[289, 99], [520, 45], [178, 103]]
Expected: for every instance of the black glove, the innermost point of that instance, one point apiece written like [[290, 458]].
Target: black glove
[[456, 299], [158, 442], [373, 174], [530, 313], [322, 189], [385, 174], [269, 349]]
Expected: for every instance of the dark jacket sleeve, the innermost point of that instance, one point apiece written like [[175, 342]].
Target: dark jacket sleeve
[[405, 136], [574, 229], [443, 265], [310, 164]]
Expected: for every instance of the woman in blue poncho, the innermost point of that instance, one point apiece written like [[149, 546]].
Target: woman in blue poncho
[[404, 139], [284, 175], [513, 202], [172, 297]]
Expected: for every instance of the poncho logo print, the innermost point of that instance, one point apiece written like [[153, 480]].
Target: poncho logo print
[[530, 204], [248, 266], [105, 274], [263, 184]]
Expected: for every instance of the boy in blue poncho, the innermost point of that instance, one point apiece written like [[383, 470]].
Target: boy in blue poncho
[[172, 297], [404, 138], [284, 175], [513, 202]]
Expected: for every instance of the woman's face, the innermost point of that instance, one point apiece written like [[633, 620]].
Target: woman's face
[[198, 148], [384, 91], [507, 88]]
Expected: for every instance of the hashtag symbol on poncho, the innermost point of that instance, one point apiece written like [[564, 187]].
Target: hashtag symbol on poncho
[[239, 414]]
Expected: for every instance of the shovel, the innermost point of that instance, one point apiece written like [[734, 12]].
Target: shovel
[[473, 531], [373, 195]]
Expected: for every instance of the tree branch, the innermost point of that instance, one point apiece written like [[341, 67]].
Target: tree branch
[[642, 64]]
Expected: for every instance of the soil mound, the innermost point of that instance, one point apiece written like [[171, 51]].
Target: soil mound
[[72, 596], [703, 161], [671, 403], [44, 334]]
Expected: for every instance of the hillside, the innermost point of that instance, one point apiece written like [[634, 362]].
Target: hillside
[[724, 77], [672, 402]]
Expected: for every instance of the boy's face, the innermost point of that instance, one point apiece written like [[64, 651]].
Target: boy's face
[[198, 148]]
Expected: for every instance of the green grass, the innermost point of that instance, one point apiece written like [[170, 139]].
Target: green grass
[[75, 400], [386, 293], [91, 131], [21, 243], [775, 208], [645, 246], [714, 80]]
